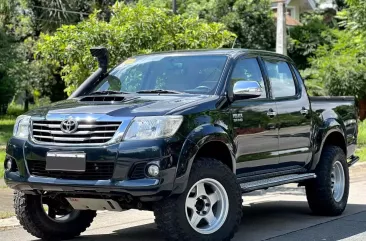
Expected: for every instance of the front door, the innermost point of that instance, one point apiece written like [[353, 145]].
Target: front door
[[293, 108], [254, 124]]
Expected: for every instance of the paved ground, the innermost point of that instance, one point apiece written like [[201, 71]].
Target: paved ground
[[6, 201], [279, 214]]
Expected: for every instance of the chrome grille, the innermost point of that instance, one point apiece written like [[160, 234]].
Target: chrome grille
[[87, 132]]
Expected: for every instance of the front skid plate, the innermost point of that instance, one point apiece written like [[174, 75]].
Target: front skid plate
[[94, 204]]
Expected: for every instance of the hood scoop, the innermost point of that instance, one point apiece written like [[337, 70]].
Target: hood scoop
[[103, 99]]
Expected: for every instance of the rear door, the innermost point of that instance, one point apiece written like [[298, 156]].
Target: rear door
[[293, 108], [254, 123]]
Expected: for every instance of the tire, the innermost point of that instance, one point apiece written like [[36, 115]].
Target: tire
[[172, 214], [33, 218], [321, 198]]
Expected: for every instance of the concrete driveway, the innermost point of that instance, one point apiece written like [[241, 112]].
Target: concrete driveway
[[277, 214]]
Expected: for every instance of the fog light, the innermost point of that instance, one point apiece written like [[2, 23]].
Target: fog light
[[9, 165], [153, 170]]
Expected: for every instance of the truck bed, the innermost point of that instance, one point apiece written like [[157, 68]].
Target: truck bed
[[339, 107], [342, 105]]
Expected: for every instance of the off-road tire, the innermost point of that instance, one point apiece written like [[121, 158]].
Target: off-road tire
[[32, 217], [319, 192], [170, 214]]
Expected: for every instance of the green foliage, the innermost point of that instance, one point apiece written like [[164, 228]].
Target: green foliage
[[6, 130], [7, 86], [361, 152], [340, 64], [313, 85], [362, 134], [342, 67], [15, 110], [361, 141], [251, 20], [132, 30], [2, 158], [305, 39], [356, 15]]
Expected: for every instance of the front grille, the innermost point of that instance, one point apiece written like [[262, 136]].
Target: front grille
[[138, 171], [93, 171], [86, 133]]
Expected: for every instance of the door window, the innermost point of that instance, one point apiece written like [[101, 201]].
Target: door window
[[280, 76], [248, 70]]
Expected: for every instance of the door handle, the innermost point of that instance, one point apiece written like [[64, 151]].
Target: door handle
[[304, 111], [271, 113]]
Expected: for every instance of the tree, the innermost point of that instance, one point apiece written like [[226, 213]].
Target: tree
[[356, 15], [251, 20], [7, 87], [131, 30], [342, 66], [305, 39]]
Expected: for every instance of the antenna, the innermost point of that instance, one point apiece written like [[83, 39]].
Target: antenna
[[234, 42]]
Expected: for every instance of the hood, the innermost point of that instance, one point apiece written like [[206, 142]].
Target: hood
[[131, 105]]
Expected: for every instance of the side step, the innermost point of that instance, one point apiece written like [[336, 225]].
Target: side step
[[275, 181], [353, 160]]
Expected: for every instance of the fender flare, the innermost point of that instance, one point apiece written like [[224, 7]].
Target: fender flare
[[199, 137], [333, 126]]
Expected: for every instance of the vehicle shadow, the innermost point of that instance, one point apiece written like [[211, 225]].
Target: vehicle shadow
[[275, 220], [288, 190]]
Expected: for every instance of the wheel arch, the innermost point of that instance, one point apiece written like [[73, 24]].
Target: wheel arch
[[333, 136], [205, 141]]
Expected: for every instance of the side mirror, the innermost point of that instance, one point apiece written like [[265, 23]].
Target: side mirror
[[247, 90]]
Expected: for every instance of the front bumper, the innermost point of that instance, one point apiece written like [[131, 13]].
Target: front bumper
[[124, 155], [32, 184]]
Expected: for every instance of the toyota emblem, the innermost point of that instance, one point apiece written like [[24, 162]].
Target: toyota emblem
[[69, 125]]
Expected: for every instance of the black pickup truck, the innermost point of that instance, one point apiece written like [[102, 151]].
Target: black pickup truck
[[183, 134]]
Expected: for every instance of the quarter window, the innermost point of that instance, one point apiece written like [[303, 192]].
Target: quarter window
[[280, 76]]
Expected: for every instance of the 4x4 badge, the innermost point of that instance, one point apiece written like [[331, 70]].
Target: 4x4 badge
[[69, 125]]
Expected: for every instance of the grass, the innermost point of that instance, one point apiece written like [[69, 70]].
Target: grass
[[361, 141], [361, 152], [6, 129], [6, 214], [2, 158]]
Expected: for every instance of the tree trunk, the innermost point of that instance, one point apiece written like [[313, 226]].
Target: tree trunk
[[362, 109], [174, 3], [26, 101]]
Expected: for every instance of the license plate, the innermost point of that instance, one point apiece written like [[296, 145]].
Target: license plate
[[70, 162]]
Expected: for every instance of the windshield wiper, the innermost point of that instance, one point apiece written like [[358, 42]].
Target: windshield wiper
[[158, 91], [107, 92]]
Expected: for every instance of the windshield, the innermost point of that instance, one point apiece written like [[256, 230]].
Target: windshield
[[144, 74]]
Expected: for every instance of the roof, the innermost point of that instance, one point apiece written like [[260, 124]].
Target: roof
[[234, 52], [290, 21], [312, 3]]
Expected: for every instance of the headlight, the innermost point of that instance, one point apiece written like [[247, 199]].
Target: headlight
[[153, 127], [21, 127]]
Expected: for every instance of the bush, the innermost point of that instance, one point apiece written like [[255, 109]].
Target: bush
[[305, 39], [342, 66], [361, 141], [251, 20], [15, 110], [132, 30]]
